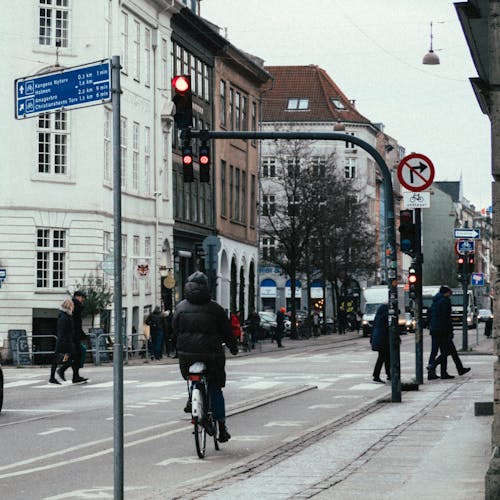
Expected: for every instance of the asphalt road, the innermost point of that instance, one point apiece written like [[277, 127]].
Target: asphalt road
[[57, 441]]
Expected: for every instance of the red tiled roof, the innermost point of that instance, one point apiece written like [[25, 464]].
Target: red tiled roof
[[306, 82]]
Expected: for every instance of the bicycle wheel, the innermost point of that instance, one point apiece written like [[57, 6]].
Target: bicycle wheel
[[200, 438], [198, 413]]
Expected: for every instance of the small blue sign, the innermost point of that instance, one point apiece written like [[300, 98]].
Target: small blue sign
[[465, 246], [477, 279], [75, 87], [467, 233]]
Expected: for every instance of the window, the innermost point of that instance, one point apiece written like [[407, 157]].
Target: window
[[293, 166], [137, 50], [231, 190], [124, 264], [147, 160], [164, 64], [350, 168], [268, 204], [237, 115], [231, 108], [253, 202], [166, 150], [206, 80], [237, 196], [135, 262], [338, 103], [202, 203], [268, 248], [123, 150], [243, 196], [223, 103], [124, 40], [318, 166], [106, 244], [298, 104], [254, 120], [199, 79], [223, 198], [107, 145], [51, 248], [53, 143], [244, 113], [147, 253], [135, 156], [348, 144], [269, 167], [53, 29], [147, 57]]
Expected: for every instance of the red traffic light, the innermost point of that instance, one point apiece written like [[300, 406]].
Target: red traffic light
[[181, 83], [187, 159], [412, 279], [204, 160], [460, 260]]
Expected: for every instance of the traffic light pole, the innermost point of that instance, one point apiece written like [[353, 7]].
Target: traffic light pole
[[389, 234]]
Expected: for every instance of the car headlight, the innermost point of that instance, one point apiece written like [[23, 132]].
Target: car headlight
[[364, 322]]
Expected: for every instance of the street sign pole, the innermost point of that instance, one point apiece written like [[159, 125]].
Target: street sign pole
[[465, 303], [117, 292], [419, 341]]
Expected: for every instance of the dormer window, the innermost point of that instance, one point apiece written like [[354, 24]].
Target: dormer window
[[337, 103], [300, 104]]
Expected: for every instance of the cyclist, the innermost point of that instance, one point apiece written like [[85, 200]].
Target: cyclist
[[201, 326]]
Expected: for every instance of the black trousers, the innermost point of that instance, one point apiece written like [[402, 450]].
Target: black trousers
[[451, 350], [384, 358]]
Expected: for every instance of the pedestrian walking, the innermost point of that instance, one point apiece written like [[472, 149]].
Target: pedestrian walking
[[280, 326], [156, 331], [441, 330], [80, 337], [380, 342], [64, 341], [170, 341], [253, 322], [316, 323], [236, 325], [342, 319]]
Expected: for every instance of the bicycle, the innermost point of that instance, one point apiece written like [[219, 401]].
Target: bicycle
[[246, 340], [201, 413]]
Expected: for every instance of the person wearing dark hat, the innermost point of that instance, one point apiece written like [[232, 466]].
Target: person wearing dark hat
[[201, 326], [79, 336]]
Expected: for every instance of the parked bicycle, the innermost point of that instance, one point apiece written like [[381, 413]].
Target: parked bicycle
[[201, 412]]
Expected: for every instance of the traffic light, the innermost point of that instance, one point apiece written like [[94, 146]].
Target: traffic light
[[204, 161], [413, 282], [187, 163], [461, 265], [470, 263], [183, 100], [407, 238]]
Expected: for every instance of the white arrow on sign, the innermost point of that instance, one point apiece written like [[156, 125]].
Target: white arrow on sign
[[465, 232]]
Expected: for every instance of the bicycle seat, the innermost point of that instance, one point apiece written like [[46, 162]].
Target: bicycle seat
[[198, 367]]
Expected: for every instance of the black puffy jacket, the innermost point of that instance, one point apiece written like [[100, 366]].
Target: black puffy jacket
[[201, 326]]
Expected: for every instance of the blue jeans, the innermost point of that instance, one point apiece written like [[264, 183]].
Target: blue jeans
[[217, 402], [157, 344]]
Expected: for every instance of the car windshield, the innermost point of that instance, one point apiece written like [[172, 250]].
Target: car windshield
[[371, 308], [267, 316], [484, 312]]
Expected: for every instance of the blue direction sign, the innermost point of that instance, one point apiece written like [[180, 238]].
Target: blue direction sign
[[465, 246], [75, 87], [477, 279], [467, 233]]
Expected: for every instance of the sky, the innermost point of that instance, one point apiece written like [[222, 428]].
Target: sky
[[373, 50]]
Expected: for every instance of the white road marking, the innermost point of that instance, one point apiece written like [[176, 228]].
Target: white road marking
[[110, 384], [284, 423], [161, 383], [125, 415], [20, 383], [326, 406], [37, 410], [55, 430], [260, 385], [94, 493], [181, 460], [365, 387], [249, 438]]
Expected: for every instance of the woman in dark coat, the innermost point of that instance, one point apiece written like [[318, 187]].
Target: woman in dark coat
[[201, 326], [380, 342], [64, 342]]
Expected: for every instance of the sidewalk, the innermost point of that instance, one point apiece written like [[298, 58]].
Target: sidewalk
[[428, 446]]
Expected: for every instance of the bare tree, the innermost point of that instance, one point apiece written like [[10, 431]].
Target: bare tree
[[442, 268]]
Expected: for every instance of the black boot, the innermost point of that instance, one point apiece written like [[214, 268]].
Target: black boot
[[431, 374], [224, 436]]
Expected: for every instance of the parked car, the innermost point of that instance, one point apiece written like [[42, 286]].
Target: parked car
[[1, 388], [406, 323], [484, 315], [267, 324]]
